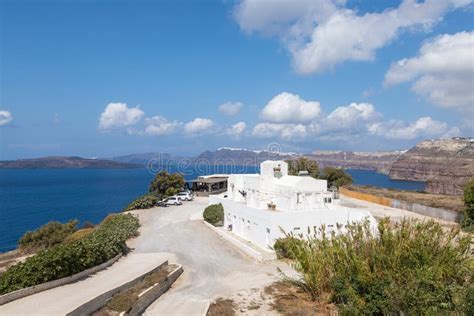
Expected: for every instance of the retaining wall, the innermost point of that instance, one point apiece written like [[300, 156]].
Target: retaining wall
[[9, 297], [439, 213], [154, 293], [99, 301], [366, 197]]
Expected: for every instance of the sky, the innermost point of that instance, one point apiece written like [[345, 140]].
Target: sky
[[109, 78]]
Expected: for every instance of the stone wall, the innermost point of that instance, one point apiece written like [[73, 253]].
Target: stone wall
[[9, 297]]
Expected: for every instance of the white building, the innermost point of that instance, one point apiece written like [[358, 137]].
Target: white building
[[257, 207]]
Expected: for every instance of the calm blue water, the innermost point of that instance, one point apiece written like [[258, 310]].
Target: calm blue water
[[30, 198], [365, 177]]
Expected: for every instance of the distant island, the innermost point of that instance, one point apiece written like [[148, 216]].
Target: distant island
[[66, 163]]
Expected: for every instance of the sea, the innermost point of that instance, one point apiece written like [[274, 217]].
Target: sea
[[30, 198]]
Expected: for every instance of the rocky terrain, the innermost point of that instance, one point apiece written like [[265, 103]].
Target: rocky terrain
[[65, 162], [445, 164], [377, 161]]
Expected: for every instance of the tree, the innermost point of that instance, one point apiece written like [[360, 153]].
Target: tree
[[303, 164], [336, 177], [165, 184], [469, 201]]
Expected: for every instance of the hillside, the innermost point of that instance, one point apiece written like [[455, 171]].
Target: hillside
[[147, 158], [377, 161], [64, 163], [237, 156], [445, 164]]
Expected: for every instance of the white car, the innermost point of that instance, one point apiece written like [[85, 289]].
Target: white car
[[186, 196], [173, 200]]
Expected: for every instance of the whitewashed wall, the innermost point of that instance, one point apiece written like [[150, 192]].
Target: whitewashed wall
[[252, 224]]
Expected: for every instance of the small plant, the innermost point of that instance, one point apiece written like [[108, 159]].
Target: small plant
[[47, 236], [285, 247], [469, 202], [143, 202], [214, 214]]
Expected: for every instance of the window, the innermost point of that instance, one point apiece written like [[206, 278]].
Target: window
[[296, 229]]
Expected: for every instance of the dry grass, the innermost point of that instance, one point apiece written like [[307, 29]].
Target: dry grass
[[290, 300], [222, 307], [79, 234], [448, 202], [124, 300]]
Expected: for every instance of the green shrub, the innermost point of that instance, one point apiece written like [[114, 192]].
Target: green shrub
[[336, 177], [285, 247], [214, 214], [413, 268], [303, 164], [469, 201], [165, 184], [46, 236], [143, 202], [65, 259]]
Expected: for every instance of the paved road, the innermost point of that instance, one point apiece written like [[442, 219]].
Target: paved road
[[64, 299], [212, 267]]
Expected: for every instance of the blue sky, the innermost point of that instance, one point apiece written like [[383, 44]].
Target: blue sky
[[108, 78]]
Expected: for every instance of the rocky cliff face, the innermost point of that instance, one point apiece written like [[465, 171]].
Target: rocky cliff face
[[377, 161], [445, 164]]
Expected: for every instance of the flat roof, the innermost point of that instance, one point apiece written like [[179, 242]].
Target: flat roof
[[209, 180]]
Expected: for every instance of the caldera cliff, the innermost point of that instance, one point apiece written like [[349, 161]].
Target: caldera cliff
[[446, 165]]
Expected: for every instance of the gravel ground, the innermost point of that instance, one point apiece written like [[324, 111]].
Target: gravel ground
[[212, 267]]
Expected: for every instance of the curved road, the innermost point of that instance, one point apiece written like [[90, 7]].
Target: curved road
[[212, 267]]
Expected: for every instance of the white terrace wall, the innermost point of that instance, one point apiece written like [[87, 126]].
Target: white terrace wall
[[263, 227]]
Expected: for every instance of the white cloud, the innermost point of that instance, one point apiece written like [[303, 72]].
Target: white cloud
[[230, 108], [443, 71], [5, 117], [423, 127], [275, 130], [236, 130], [159, 125], [323, 33], [199, 126], [345, 123], [290, 108], [351, 116], [119, 115]]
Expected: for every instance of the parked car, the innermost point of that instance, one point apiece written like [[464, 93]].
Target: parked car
[[161, 204], [173, 200], [185, 195]]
